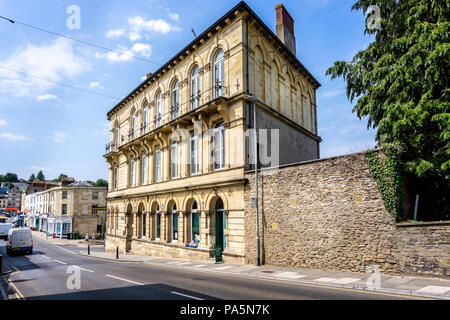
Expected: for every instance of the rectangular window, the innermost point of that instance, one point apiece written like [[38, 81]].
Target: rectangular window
[[158, 165], [64, 195], [64, 209], [132, 173], [94, 195], [144, 169], [219, 147], [194, 154], [174, 160], [94, 210]]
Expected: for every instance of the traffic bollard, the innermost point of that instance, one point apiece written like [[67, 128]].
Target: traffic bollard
[[89, 249], [117, 252]]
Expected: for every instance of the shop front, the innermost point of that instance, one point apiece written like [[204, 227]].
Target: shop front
[[60, 226]]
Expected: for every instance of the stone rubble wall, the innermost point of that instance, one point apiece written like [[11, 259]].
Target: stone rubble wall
[[328, 214]]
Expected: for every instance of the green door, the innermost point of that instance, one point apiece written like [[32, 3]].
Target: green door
[[219, 229]]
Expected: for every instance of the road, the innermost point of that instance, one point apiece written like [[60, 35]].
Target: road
[[44, 275]]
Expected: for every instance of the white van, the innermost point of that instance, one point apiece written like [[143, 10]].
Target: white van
[[19, 240], [4, 229]]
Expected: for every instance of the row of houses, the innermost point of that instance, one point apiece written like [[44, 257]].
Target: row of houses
[[65, 208]]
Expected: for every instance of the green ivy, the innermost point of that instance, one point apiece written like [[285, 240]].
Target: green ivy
[[386, 169]]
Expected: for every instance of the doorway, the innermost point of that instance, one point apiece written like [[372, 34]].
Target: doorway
[[220, 225]]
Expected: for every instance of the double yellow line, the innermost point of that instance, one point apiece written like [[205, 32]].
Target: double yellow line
[[17, 293]]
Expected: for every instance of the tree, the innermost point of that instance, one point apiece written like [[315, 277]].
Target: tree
[[101, 183], [11, 177], [40, 175], [60, 177], [32, 178], [401, 83]]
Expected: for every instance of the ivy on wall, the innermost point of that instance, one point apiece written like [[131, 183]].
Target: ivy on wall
[[385, 167]]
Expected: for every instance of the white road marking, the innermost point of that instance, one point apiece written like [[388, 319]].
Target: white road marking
[[183, 263], [186, 296], [138, 283], [47, 257], [199, 266], [172, 262], [85, 269], [434, 289], [59, 261], [288, 275]]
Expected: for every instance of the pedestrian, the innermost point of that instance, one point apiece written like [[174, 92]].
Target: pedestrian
[[93, 238], [86, 237]]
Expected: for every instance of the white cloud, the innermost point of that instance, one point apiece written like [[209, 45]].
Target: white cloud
[[55, 61], [123, 54], [47, 96], [115, 33], [95, 84], [143, 78], [37, 168], [59, 136], [174, 16], [138, 25], [144, 49], [2, 122], [12, 136]]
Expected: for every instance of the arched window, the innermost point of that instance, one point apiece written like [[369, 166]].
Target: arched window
[[158, 115], [145, 118], [175, 99], [132, 172], [133, 124], [219, 146], [174, 159], [195, 87], [144, 169], [158, 164], [219, 75], [174, 223]]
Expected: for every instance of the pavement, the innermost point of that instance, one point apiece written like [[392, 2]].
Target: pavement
[[413, 286]]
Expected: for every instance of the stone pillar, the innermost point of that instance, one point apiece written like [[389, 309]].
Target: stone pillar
[[166, 162], [181, 227], [203, 233], [151, 171], [134, 224], [163, 226]]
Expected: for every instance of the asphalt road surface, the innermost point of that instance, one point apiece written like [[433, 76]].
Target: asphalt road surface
[[46, 274]]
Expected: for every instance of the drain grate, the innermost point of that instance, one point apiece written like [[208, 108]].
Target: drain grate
[[268, 271]]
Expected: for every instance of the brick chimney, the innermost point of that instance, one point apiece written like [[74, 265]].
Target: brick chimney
[[285, 28]]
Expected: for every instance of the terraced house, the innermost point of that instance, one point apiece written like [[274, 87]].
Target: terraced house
[[180, 142]]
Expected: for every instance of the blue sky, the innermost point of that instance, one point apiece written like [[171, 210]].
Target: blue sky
[[62, 130]]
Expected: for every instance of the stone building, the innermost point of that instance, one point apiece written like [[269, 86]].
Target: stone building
[[180, 143], [78, 207]]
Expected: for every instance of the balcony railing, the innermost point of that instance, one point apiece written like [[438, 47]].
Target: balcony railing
[[195, 101]]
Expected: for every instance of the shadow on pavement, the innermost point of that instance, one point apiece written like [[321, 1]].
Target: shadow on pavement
[[154, 291]]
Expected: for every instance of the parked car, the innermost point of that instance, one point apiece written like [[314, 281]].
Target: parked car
[[20, 240], [4, 229], [2, 220]]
